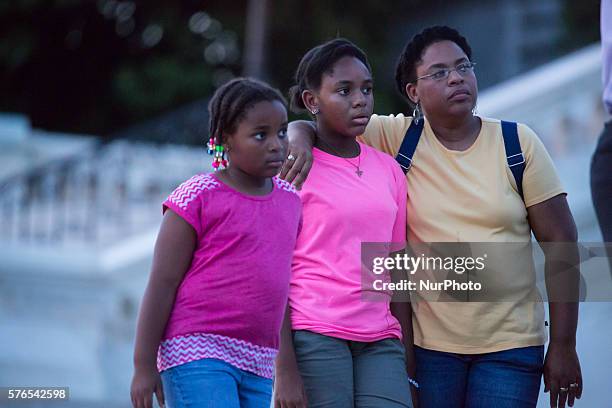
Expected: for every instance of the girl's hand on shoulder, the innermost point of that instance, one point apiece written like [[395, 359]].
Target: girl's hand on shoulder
[[299, 155], [145, 383], [297, 164], [289, 390]]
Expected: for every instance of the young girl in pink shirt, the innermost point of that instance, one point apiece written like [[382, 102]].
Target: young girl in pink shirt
[[213, 307], [337, 349]]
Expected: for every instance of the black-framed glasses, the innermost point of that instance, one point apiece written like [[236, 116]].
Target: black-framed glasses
[[463, 69]]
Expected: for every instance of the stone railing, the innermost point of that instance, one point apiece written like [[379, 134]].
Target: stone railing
[[104, 194]]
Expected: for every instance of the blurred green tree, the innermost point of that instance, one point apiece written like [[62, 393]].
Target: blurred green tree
[[97, 66], [93, 67]]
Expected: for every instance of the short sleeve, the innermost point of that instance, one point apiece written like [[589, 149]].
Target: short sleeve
[[385, 133], [540, 180], [186, 200]]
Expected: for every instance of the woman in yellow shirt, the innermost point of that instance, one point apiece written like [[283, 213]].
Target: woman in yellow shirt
[[461, 189]]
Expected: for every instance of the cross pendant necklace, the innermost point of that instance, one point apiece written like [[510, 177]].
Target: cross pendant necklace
[[358, 170]]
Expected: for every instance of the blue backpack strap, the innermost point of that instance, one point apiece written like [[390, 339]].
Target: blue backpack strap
[[514, 154], [409, 145]]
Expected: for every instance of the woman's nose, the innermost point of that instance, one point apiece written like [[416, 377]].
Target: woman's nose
[[454, 77]]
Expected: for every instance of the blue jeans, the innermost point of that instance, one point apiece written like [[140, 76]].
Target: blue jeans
[[214, 383], [504, 379]]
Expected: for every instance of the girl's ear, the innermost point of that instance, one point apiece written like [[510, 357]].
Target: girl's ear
[[412, 93], [311, 101]]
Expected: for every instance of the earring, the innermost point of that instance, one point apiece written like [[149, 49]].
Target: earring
[[416, 113], [314, 111], [218, 152]]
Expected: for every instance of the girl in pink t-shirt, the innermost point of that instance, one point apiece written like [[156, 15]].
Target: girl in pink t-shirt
[[208, 329], [338, 348]]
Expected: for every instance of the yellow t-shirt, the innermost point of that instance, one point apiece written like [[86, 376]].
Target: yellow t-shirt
[[471, 196]]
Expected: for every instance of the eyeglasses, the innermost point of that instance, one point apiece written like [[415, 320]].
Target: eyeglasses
[[463, 69]]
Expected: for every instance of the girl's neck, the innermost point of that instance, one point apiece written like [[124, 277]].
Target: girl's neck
[[456, 133], [335, 143], [244, 182]]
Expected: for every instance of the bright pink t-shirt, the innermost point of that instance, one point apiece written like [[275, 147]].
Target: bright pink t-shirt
[[231, 302], [340, 211]]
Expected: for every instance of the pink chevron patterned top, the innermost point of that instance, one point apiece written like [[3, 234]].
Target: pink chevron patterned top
[[231, 301]]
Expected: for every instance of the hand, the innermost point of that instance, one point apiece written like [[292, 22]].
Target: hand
[[561, 370], [289, 390], [298, 164], [411, 371], [414, 394], [414, 391], [144, 384]]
